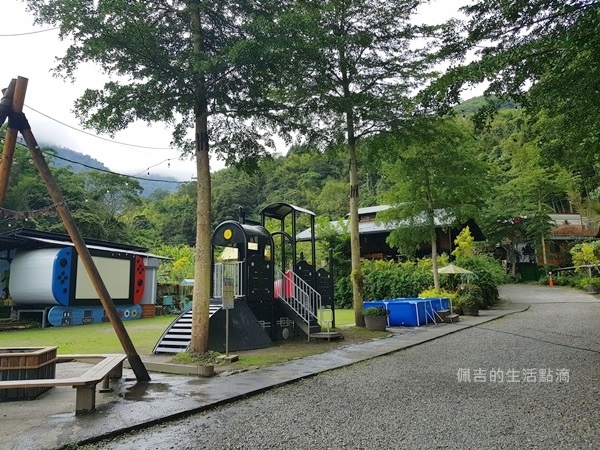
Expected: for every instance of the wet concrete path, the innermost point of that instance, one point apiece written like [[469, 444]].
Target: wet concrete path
[[50, 422]]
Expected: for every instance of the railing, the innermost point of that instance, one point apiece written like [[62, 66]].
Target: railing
[[299, 295], [228, 280]]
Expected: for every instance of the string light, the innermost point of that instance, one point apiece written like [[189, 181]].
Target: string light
[[12, 214], [168, 161]]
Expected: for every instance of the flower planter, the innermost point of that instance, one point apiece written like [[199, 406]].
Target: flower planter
[[26, 363], [470, 310], [376, 323], [593, 288]]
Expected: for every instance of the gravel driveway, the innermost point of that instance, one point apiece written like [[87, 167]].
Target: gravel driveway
[[526, 381]]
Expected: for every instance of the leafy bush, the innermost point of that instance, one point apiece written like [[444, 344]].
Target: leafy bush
[[389, 279], [586, 254], [465, 244], [376, 311], [436, 293], [489, 274], [585, 282], [469, 295], [342, 293]]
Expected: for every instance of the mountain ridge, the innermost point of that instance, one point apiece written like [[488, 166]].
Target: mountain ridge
[[79, 162]]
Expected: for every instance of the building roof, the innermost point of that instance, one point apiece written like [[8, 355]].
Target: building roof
[[377, 226], [572, 227], [372, 209], [24, 239]]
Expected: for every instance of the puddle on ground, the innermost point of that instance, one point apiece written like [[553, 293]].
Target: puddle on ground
[[196, 382], [143, 391]]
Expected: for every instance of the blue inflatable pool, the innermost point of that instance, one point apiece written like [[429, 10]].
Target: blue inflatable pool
[[411, 312]]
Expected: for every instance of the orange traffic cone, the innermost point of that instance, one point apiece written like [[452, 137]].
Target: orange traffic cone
[[551, 282]]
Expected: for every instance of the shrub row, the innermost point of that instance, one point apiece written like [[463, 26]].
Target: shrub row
[[389, 279]]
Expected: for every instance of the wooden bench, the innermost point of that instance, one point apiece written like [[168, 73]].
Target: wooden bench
[[108, 367]]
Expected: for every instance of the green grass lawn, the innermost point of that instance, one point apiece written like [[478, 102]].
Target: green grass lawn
[[101, 338], [344, 317], [94, 338]]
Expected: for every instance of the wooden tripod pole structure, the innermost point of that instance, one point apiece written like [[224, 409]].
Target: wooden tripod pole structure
[[84, 255], [8, 152]]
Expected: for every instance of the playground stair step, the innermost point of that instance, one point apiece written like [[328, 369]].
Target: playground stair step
[[329, 335], [177, 337], [311, 328]]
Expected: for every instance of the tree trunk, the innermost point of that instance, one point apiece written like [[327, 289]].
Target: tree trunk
[[357, 276], [431, 222], [543, 239], [436, 275], [11, 98], [544, 256], [200, 312]]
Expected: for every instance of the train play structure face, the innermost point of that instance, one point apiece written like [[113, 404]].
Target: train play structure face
[[265, 285]]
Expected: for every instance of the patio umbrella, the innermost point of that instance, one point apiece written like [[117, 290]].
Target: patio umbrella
[[451, 268]]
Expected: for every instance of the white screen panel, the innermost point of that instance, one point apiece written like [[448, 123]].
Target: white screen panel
[[114, 272]]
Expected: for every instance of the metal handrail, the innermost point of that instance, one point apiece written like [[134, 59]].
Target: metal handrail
[[228, 271], [302, 298]]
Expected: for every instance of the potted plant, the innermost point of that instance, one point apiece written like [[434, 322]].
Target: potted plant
[[376, 318], [593, 285], [469, 298]]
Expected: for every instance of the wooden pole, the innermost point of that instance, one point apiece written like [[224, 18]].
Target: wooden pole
[[10, 140], [84, 255], [6, 102]]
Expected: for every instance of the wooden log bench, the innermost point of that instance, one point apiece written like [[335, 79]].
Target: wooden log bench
[[108, 367]]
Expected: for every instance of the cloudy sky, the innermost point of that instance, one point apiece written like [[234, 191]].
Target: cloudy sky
[[50, 99]]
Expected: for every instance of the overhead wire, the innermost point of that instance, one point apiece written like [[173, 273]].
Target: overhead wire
[[111, 141], [28, 32], [136, 177], [95, 135]]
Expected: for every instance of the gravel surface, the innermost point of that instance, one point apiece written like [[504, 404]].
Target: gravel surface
[[549, 357]]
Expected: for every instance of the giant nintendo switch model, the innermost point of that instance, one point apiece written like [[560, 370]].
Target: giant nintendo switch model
[[56, 276]]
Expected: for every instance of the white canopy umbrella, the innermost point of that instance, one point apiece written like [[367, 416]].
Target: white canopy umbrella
[[451, 268]]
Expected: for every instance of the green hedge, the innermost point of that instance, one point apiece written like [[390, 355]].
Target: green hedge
[[389, 279], [489, 274]]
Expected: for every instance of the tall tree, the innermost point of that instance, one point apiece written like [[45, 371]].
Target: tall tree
[[111, 196], [189, 63], [527, 195], [545, 54], [438, 178], [352, 67]]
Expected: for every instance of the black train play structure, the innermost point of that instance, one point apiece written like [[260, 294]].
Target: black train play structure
[[264, 302]]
